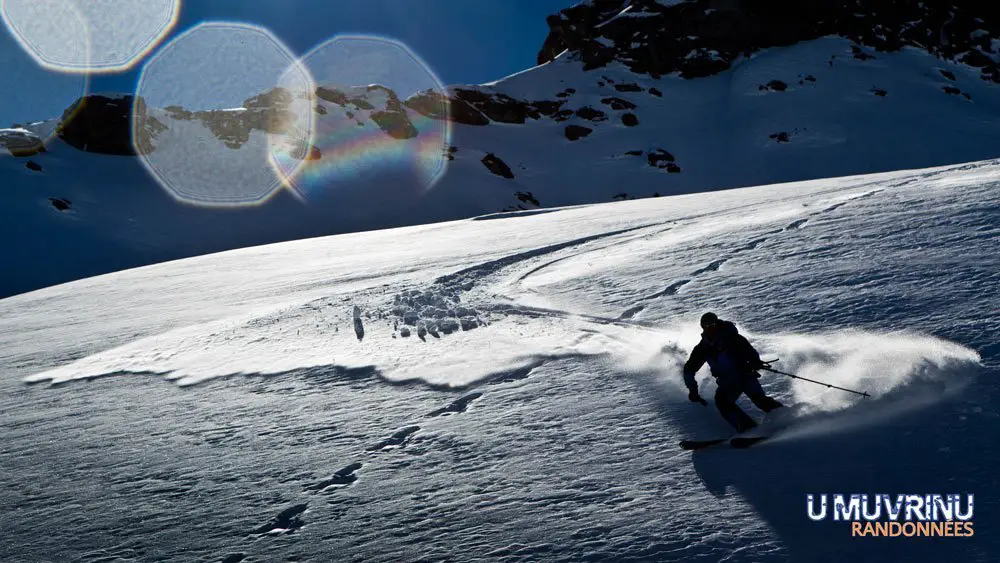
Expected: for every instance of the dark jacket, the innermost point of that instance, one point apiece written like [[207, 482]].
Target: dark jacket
[[729, 355]]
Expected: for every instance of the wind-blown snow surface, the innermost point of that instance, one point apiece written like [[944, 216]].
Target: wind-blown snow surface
[[296, 429]]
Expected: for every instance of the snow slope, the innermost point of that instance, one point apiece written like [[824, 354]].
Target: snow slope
[[836, 114], [303, 423]]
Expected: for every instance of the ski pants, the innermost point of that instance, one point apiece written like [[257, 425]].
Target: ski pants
[[729, 390]]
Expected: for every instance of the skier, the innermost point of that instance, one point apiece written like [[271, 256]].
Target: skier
[[734, 364]]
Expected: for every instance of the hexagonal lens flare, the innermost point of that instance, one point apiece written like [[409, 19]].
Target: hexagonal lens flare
[[368, 129], [35, 100], [115, 35], [210, 105]]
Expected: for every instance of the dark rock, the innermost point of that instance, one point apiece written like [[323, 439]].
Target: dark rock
[[952, 90], [332, 95], [575, 132], [320, 109], [775, 86], [99, 124], [21, 143], [948, 74], [498, 107], [436, 106], [548, 108], [591, 114], [628, 87], [617, 103], [621, 197], [701, 37], [976, 58], [563, 115], [879, 92], [673, 168], [630, 120], [62, 204], [634, 153], [655, 92], [361, 104], [659, 158], [32, 165], [781, 137], [450, 152], [494, 164], [396, 124], [810, 78], [860, 54], [527, 197]]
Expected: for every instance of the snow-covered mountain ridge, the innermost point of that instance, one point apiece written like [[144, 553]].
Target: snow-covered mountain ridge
[[598, 122]]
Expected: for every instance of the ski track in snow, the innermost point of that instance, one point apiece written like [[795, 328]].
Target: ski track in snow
[[531, 421]]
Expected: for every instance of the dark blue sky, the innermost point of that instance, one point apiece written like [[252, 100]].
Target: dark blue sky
[[464, 41]]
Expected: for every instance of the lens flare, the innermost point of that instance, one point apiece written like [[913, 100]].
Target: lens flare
[[35, 100], [373, 119], [89, 36], [210, 105]]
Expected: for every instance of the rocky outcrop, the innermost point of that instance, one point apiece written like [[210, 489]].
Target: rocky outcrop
[[21, 142], [576, 132], [528, 198], [32, 165], [493, 163], [99, 124], [630, 120], [437, 106], [61, 203], [591, 114], [478, 107], [662, 159], [703, 37], [773, 86], [617, 103], [393, 119]]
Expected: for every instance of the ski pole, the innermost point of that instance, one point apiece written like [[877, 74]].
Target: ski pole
[[828, 385]]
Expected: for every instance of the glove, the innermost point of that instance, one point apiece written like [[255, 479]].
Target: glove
[[694, 397]]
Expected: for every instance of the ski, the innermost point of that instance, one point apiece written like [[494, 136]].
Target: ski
[[745, 442], [699, 444], [739, 442]]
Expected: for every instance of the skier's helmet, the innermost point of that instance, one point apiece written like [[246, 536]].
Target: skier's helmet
[[709, 319]]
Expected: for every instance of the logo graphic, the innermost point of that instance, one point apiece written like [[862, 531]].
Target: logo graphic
[[908, 515]]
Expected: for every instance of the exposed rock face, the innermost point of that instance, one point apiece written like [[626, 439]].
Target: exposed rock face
[[576, 132], [20, 142], [436, 106], [477, 107], [393, 119], [618, 103], [662, 159], [103, 124], [493, 163], [704, 37], [32, 165], [591, 114], [528, 198], [60, 203], [630, 120], [774, 86], [99, 124]]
